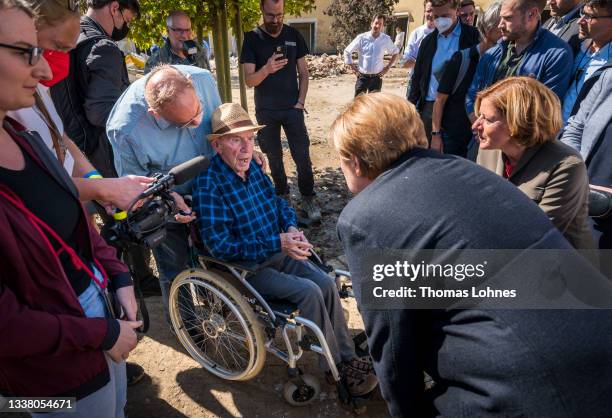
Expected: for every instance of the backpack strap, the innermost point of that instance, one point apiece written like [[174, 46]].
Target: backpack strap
[[463, 68]]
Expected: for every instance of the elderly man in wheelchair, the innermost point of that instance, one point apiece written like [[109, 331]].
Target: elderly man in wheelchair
[[241, 220]]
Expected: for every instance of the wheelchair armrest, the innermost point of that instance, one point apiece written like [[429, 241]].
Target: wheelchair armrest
[[228, 264]]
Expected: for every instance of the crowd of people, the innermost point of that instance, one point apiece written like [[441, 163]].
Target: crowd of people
[[529, 102]]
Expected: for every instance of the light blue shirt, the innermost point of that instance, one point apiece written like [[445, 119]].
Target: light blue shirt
[[447, 46], [144, 145], [586, 63], [414, 42]]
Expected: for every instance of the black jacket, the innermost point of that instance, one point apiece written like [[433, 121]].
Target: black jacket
[[422, 68], [98, 76]]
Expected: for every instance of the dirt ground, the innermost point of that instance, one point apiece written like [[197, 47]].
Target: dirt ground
[[176, 386]]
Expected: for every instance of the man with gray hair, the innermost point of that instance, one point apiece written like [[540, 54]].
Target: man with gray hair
[[179, 48], [161, 121], [527, 50]]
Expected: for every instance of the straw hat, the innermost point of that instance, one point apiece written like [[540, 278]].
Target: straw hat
[[231, 118]]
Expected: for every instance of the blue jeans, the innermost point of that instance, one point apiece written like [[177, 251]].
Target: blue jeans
[[108, 401], [172, 257]]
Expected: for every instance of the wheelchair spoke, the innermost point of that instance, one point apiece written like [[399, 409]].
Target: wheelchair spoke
[[230, 350]]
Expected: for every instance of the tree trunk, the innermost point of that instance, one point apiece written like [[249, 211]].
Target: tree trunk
[[239, 39], [219, 50], [226, 50]]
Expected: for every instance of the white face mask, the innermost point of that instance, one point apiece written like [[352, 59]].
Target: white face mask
[[443, 24]]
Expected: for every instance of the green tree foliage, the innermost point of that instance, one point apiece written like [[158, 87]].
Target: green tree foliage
[[352, 17], [152, 24]]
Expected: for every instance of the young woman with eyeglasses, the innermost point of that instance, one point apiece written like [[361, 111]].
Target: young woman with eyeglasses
[[59, 338]]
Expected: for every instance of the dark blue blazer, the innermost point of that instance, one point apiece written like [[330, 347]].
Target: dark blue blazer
[[544, 363]]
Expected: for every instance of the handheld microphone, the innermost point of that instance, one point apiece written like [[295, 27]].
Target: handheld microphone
[[178, 175]]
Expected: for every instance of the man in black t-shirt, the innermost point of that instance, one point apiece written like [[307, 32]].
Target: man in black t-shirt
[[273, 56]]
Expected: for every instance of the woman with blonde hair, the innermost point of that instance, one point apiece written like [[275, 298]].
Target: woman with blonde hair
[[518, 120], [484, 362]]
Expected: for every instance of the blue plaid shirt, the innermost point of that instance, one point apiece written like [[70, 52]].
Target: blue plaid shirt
[[240, 219]]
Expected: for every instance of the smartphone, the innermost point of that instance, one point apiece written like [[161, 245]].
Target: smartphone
[[282, 51]]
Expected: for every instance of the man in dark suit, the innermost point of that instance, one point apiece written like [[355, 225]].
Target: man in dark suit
[[563, 21], [449, 36]]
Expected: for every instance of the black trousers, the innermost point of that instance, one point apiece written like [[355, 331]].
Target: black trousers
[[367, 84], [456, 142], [269, 139]]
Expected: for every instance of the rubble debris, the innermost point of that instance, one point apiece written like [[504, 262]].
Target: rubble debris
[[321, 66]]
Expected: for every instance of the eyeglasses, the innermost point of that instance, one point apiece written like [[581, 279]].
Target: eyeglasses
[[34, 52], [273, 17], [180, 31], [74, 5], [588, 16], [197, 116]]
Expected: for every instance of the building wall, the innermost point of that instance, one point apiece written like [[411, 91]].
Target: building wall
[[322, 22]]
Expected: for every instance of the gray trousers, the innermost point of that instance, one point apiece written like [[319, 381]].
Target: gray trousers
[[316, 296], [172, 257]]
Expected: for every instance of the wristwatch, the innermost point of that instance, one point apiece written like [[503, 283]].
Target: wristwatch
[[436, 133]]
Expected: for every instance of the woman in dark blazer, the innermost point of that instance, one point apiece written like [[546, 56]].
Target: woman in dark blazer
[[485, 363], [518, 120]]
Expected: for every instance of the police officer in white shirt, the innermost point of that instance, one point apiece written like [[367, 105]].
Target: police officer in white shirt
[[371, 48]]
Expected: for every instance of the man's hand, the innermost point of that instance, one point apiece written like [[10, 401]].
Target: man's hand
[[127, 300], [383, 72], [274, 64], [436, 143], [261, 160], [299, 105], [294, 245], [126, 342], [355, 69], [188, 214], [300, 234], [122, 190]]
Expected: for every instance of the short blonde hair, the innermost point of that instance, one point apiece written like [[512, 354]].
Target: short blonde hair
[[377, 128], [164, 85], [532, 111]]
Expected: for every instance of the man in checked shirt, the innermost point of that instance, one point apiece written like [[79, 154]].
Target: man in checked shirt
[[242, 219]]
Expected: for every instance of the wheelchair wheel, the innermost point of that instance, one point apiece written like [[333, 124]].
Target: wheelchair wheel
[[302, 391], [216, 325]]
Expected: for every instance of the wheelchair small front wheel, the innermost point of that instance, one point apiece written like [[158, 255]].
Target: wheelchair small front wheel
[[216, 325], [302, 390]]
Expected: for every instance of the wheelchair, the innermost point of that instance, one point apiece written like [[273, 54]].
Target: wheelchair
[[228, 327]]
